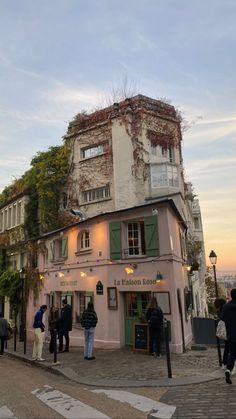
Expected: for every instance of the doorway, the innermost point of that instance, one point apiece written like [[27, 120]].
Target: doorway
[[135, 309]]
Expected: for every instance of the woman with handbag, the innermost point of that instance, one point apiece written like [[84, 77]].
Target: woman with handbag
[[4, 330], [219, 304]]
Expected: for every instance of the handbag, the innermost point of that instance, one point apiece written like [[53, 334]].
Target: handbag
[[221, 330]]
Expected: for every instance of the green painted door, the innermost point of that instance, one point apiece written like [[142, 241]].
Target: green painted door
[[135, 309]]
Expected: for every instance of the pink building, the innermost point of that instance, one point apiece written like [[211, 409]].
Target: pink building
[[119, 259]]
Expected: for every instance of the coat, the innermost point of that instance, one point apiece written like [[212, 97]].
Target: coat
[[65, 319], [88, 319], [4, 327], [229, 317]]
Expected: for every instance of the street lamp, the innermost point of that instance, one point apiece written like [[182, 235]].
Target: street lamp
[[23, 309], [213, 259]]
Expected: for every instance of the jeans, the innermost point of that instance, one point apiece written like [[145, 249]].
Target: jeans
[[64, 333], [155, 338], [225, 353], [232, 355], [89, 339], [3, 339]]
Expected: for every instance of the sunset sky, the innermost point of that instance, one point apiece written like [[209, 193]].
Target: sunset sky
[[59, 57]]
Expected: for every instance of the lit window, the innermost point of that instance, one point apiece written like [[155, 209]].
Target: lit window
[[97, 194]]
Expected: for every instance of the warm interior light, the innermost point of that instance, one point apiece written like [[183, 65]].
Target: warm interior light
[[83, 274], [41, 276], [61, 274]]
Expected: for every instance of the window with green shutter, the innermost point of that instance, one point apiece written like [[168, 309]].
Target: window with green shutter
[[115, 240], [64, 248]]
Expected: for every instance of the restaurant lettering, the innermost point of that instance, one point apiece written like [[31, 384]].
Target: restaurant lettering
[[127, 282]]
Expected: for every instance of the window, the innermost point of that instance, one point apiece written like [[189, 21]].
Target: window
[[83, 240], [81, 301], [64, 200], [139, 238], [164, 175], [89, 152], [97, 194], [19, 213], [168, 153], [59, 249], [136, 240], [196, 223]]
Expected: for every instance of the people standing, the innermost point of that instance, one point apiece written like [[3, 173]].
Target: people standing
[[88, 322], [4, 330], [53, 326], [64, 325], [219, 304], [229, 317], [154, 317], [39, 334]]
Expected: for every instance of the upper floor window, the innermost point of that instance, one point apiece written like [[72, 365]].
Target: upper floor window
[[168, 153], [83, 240], [88, 152], [59, 249], [97, 194], [196, 223], [134, 238], [164, 175]]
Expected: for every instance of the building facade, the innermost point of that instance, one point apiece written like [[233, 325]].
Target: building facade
[[119, 260]]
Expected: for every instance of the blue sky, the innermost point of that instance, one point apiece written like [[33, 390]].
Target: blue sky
[[58, 57]]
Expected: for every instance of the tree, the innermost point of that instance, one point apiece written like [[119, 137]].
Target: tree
[[210, 287]]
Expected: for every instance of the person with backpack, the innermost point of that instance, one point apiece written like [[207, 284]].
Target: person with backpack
[[154, 317], [88, 322]]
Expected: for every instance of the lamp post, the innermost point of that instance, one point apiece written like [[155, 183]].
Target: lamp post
[[23, 309], [213, 259]]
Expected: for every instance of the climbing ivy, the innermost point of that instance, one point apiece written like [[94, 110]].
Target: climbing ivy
[[42, 183]]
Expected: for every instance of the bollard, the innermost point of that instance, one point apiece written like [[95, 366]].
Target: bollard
[[167, 349], [15, 339], [55, 346], [218, 345]]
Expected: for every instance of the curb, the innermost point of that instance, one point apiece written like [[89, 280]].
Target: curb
[[69, 373]]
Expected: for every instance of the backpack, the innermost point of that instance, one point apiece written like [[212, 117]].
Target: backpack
[[156, 318]]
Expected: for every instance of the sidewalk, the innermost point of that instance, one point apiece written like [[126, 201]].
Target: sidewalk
[[124, 368]]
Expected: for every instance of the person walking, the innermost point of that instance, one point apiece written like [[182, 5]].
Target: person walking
[[39, 334], [154, 317], [229, 317], [4, 330], [88, 322], [53, 326], [64, 325], [219, 304]]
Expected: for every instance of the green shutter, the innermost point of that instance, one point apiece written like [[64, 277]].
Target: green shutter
[[115, 240], [64, 247], [151, 236], [52, 251]]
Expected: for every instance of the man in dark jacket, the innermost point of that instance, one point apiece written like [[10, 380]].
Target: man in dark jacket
[[64, 325], [229, 317]]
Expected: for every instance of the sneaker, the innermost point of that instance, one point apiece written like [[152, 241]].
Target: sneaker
[[34, 359], [158, 356], [227, 377], [85, 357], [41, 359], [91, 357]]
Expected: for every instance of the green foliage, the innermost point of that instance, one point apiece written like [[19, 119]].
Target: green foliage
[[43, 183], [11, 287]]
